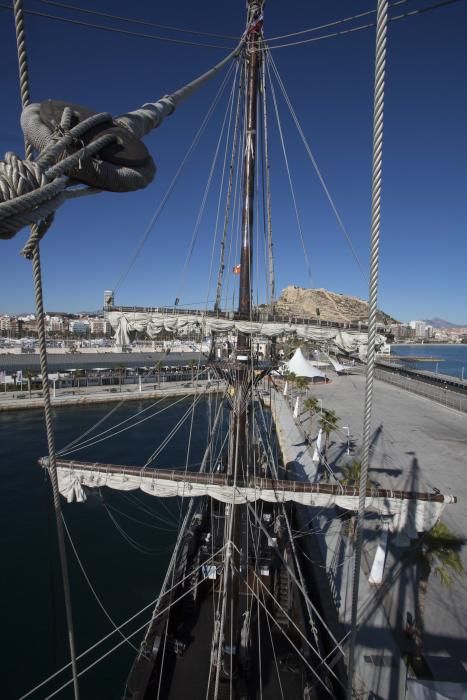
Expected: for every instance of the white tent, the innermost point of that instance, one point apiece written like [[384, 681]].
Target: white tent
[[300, 366]]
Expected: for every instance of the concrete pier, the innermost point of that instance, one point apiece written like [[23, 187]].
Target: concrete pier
[[416, 445]]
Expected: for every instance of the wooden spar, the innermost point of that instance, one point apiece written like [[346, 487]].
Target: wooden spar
[[222, 480]]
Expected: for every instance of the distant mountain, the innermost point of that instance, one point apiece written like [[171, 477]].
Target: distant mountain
[[326, 305], [441, 323]]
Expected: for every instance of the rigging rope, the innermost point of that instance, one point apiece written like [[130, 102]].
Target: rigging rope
[[269, 614], [116, 30], [378, 121], [37, 277], [172, 184], [123, 624], [322, 26], [405, 15], [314, 162], [289, 176], [217, 305], [267, 183], [206, 190], [92, 589], [138, 21], [95, 439], [221, 191]]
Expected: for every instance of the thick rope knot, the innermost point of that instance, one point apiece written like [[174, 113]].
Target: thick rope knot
[[78, 147], [123, 165], [75, 146]]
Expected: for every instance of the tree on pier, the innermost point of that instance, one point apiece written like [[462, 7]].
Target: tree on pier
[[311, 405], [301, 382], [119, 370], [437, 550], [29, 375], [157, 370], [329, 422], [193, 364]]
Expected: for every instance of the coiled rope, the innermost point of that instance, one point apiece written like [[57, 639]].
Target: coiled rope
[[378, 113]]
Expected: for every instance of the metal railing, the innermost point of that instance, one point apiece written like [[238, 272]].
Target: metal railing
[[439, 394]]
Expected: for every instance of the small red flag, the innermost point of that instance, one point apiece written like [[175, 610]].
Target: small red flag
[[236, 270]]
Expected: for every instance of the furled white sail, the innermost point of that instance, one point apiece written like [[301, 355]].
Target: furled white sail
[[409, 516], [152, 323]]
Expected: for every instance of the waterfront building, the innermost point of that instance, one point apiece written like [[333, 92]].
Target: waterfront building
[[54, 324], [4, 323], [99, 327], [79, 327], [419, 328], [10, 325], [401, 331]]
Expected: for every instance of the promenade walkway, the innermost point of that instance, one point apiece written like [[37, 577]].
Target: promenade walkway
[[416, 445]]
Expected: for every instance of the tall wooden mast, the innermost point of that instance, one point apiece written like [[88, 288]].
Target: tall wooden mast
[[253, 59], [241, 434], [243, 356]]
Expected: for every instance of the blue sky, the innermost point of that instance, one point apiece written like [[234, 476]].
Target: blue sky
[[330, 83]]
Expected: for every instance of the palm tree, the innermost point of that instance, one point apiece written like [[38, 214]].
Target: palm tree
[[193, 364], [157, 368], [328, 423], [290, 378], [301, 382], [78, 374], [438, 551], [351, 474], [351, 477], [311, 405], [119, 369], [29, 374]]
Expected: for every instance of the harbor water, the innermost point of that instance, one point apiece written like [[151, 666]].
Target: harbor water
[[445, 359], [124, 542]]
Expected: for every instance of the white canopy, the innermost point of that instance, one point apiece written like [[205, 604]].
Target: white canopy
[[300, 366]]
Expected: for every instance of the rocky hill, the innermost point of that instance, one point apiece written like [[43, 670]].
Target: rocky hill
[[305, 303]]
